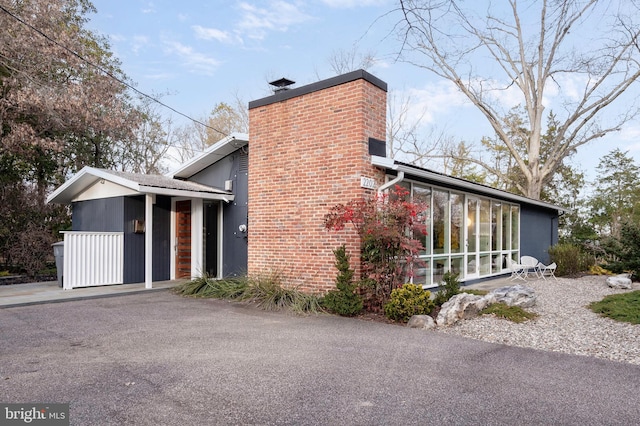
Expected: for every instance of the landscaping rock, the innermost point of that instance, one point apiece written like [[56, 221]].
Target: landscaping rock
[[424, 322], [461, 306], [622, 282], [517, 295]]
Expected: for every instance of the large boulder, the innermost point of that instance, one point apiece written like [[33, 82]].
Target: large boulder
[[461, 306], [517, 295], [622, 282], [424, 322]]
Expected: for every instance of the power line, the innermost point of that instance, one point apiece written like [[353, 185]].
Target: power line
[[106, 72]]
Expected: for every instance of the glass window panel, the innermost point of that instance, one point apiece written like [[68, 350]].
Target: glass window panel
[[423, 196], [485, 225], [423, 274], [506, 241], [496, 262], [456, 266], [496, 227], [472, 265], [440, 229], [485, 264], [457, 222], [471, 226], [515, 227], [440, 266]]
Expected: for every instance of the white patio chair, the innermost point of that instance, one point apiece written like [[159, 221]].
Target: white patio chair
[[531, 263], [517, 270], [550, 270]]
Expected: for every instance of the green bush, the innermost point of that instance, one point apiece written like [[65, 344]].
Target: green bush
[[266, 291], [449, 287], [512, 313], [625, 251], [624, 307], [571, 259], [343, 301], [407, 301]]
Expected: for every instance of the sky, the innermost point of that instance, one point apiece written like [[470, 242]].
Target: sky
[[199, 53]]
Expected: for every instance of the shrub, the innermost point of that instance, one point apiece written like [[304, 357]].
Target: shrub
[[512, 313], [449, 287], [570, 259], [625, 252], [623, 307], [386, 225], [407, 301], [344, 300], [599, 270], [205, 286], [266, 291]]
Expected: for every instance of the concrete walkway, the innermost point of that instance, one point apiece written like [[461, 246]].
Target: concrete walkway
[[50, 292]]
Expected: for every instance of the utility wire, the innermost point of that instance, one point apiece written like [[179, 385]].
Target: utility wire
[[106, 72]]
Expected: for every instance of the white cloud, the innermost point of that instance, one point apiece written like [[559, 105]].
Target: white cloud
[[211, 34], [279, 15], [631, 133], [150, 7], [434, 100], [138, 42], [197, 62]]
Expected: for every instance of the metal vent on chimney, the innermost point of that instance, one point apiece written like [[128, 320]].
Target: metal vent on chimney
[[281, 85]]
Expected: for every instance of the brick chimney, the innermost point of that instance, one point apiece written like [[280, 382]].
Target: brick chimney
[[308, 150]]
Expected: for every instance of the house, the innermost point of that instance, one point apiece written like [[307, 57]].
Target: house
[[254, 204]]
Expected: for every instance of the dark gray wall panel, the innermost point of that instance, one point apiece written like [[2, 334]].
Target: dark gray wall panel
[[538, 232], [162, 239], [133, 243], [234, 243], [103, 215]]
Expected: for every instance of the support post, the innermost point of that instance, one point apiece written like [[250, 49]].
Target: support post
[[148, 240]]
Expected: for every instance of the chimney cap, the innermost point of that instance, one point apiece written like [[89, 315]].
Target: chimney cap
[[282, 84]]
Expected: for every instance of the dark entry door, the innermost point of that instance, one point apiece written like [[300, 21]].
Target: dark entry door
[[211, 238], [183, 239]]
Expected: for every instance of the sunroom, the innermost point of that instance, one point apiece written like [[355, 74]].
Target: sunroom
[[471, 228]]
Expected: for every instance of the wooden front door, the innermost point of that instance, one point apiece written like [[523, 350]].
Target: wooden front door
[[183, 239]]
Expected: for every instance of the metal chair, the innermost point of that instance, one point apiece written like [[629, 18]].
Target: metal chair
[[517, 270], [531, 263], [550, 270]]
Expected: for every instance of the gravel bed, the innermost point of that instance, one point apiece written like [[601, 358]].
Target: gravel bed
[[564, 324]]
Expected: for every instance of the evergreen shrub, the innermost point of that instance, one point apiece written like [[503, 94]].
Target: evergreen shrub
[[407, 301], [344, 300]]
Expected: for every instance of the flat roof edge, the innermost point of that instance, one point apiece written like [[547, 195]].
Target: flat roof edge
[[319, 85]]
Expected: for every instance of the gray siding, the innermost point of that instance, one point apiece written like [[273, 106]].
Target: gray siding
[[118, 214], [234, 243], [103, 215], [162, 239], [133, 243], [538, 231]]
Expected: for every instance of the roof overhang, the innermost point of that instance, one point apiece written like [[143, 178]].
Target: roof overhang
[[89, 176], [390, 164], [211, 155]]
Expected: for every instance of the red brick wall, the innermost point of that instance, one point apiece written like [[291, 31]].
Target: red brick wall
[[307, 154]]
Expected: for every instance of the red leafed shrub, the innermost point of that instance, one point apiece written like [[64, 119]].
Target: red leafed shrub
[[389, 226]]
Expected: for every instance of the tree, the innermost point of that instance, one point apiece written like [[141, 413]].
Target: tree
[[226, 119], [386, 224], [343, 61], [63, 105], [532, 50], [146, 150], [617, 198]]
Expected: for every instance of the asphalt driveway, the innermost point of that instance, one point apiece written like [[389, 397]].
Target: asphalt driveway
[[159, 359]]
